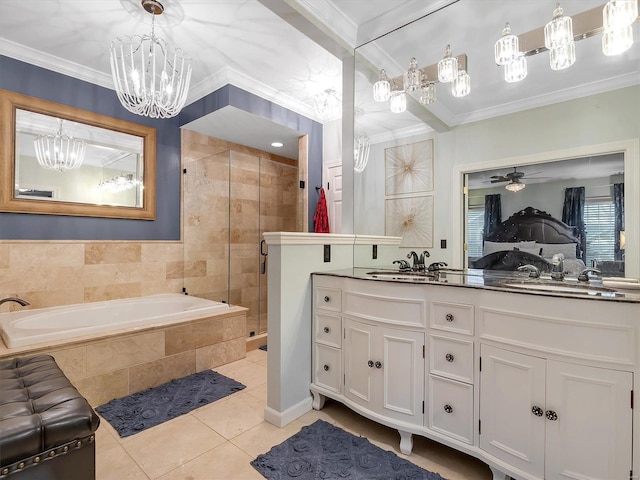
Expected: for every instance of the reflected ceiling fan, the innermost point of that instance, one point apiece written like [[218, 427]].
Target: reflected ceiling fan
[[514, 178]]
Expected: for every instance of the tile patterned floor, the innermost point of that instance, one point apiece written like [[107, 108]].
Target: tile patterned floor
[[217, 441]]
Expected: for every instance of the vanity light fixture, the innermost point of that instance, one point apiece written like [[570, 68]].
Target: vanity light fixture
[[398, 99], [328, 105], [59, 152], [516, 69], [150, 75], [507, 47], [447, 67], [361, 154], [461, 84], [515, 185], [412, 76], [119, 183], [617, 18], [382, 88], [427, 91]]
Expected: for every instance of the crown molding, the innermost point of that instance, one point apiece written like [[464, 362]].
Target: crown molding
[[331, 17], [411, 131]]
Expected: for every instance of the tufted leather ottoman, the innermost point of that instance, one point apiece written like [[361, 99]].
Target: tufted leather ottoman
[[46, 427]]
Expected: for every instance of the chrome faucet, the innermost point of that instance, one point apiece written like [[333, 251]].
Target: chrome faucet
[[404, 265], [24, 303], [557, 269], [435, 266], [534, 272], [584, 274], [418, 262]]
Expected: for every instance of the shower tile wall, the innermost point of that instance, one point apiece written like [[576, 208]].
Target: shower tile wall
[[227, 207]]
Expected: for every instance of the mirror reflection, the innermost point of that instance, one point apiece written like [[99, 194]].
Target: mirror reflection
[[66, 161], [586, 113]]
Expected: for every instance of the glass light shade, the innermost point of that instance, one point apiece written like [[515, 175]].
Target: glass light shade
[[615, 42], [361, 154], [515, 186], [59, 152], [562, 57], [507, 47], [398, 102], [382, 88], [328, 105], [119, 183], [151, 76], [447, 67], [427, 93], [516, 70], [461, 85], [559, 31], [617, 14], [412, 76]]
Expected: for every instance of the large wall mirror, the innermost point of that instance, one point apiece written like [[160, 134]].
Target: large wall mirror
[[574, 127], [61, 160]]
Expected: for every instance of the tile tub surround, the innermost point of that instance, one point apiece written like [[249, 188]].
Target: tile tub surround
[[104, 367]]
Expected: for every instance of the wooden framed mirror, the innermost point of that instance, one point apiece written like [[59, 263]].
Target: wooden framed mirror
[[114, 175]]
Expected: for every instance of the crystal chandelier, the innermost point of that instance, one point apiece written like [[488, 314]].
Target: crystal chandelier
[[150, 75], [119, 183], [361, 153], [328, 105], [59, 152]]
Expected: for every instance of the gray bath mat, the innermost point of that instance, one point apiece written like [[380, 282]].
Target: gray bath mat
[[324, 451], [139, 411]]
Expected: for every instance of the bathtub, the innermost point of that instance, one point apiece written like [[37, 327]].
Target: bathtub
[[28, 327]]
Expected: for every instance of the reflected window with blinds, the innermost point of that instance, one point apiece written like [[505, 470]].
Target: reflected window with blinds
[[599, 220]]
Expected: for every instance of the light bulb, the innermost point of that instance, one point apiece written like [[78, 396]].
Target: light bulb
[[516, 70], [615, 42], [461, 85], [412, 76], [447, 67], [507, 47], [382, 88], [559, 31], [563, 57]]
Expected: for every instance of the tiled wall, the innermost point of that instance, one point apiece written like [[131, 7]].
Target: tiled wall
[[51, 273]]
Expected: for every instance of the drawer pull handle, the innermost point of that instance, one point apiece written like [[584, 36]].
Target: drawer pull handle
[[449, 317], [448, 408], [551, 415], [537, 411], [370, 363], [449, 357], [378, 365], [327, 299], [326, 329], [326, 368]]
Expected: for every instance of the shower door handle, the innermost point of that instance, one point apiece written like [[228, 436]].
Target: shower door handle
[[263, 252]]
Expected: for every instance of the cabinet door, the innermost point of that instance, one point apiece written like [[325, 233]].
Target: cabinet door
[[401, 373], [511, 386], [358, 352], [591, 437]]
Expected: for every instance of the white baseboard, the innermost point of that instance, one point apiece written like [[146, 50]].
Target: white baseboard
[[280, 419]]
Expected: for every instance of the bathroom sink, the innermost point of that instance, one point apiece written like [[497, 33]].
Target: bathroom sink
[[576, 289]]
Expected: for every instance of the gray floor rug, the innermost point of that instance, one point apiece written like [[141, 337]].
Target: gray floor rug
[[324, 451], [137, 412]]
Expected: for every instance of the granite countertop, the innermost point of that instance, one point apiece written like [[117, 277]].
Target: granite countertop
[[513, 282]]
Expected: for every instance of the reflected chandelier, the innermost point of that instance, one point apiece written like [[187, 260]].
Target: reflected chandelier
[[361, 154], [119, 183], [151, 76], [59, 152], [328, 105]]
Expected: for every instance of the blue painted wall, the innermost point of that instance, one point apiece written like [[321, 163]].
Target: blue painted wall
[[38, 82], [236, 97]]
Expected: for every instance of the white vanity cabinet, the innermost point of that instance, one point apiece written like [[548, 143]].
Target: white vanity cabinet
[[537, 386]]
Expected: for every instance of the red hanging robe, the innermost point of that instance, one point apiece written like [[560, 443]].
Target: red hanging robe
[[321, 218]]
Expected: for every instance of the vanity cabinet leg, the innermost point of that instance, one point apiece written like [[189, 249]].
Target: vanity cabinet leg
[[318, 400], [498, 475], [406, 442]]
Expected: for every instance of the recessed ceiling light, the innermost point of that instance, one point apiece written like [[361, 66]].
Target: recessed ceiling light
[[277, 144]]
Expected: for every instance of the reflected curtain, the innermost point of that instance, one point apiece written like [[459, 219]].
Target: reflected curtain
[[573, 215], [618, 205], [492, 214]]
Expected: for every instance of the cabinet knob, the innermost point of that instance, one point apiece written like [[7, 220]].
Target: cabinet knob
[[448, 408], [449, 317], [326, 329], [326, 367], [327, 299], [378, 365], [370, 363], [551, 415], [537, 411], [449, 357]]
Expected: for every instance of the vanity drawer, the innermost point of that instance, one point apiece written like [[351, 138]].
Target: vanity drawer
[[452, 317], [328, 298], [328, 329], [451, 408], [328, 371], [451, 358]]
